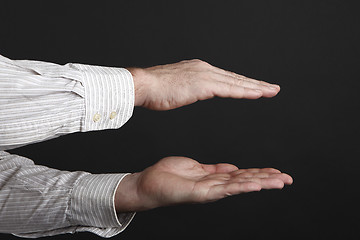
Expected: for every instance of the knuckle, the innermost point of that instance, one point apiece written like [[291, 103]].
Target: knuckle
[[206, 75], [196, 60], [200, 63]]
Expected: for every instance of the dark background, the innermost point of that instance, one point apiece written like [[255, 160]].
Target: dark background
[[310, 130]]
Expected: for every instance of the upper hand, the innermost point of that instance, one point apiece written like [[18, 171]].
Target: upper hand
[[170, 86], [176, 180]]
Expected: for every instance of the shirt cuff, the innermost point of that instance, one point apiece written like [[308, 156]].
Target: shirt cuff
[[109, 96], [92, 206]]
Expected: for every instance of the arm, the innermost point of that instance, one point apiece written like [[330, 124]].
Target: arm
[[40, 101], [37, 201]]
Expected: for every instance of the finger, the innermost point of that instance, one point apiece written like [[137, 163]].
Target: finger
[[256, 170], [225, 168], [254, 174], [287, 179], [219, 168], [265, 183], [224, 190], [238, 76], [268, 90], [226, 90], [270, 170], [220, 177]]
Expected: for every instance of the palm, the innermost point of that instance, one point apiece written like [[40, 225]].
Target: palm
[[175, 180]]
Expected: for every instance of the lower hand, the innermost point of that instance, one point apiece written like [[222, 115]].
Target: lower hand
[[174, 85], [177, 180]]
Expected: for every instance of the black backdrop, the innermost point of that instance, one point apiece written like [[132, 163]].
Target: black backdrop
[[310, 130]]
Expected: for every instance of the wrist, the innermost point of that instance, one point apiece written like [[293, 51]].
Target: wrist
[[139, 78], [126, 196]]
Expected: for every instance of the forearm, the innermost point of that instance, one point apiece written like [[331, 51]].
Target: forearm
[[39, 201], [43, 100]]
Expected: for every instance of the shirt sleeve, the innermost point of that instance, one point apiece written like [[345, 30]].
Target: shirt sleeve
[[37, 201], [40, 100]]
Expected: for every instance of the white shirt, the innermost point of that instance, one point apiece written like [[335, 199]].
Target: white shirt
[[40, 101]]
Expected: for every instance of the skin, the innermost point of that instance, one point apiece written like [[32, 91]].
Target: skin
[[179, 180]]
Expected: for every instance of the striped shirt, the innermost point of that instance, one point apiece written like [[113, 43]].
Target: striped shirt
[[41, 101]]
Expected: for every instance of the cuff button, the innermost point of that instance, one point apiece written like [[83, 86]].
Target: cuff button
[[96, 117], [112, 115]]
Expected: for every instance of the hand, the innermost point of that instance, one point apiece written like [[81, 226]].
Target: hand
[[176, 180], [174, 85]]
